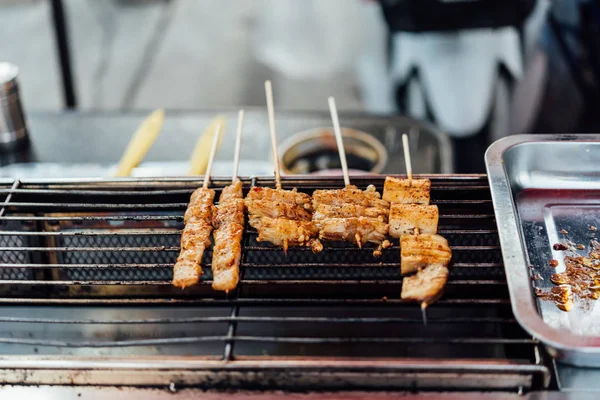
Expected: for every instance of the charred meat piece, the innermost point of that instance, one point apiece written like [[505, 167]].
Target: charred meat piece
[[196, 234], [349, 195], [229, 212], [324, 211], [277, 209], [233, 191], [199, 212], [357, 230], [404, 218], [282, 217], [420, 251], [228, 220], [426, 286], [285, 232], [280, 195], [227, 253], [405, 191]]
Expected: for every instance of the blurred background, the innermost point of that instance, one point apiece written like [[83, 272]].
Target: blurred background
[[477, 70]]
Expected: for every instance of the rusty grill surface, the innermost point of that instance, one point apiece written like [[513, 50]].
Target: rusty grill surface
[[85, 270]]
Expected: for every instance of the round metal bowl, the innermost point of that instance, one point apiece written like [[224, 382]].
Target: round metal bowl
[[361, 149]]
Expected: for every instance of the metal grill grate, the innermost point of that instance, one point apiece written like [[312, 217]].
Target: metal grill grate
[[86, 266]]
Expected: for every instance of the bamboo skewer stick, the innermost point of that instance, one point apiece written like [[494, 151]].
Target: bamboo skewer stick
[[271, 113], [338, 137], [407, 158], [238, 145], [211, 156]]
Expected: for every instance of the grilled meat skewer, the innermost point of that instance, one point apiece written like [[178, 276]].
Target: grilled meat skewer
[[195, 238], [228, 220]]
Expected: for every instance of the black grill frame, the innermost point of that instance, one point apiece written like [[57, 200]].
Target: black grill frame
[[51, 217]]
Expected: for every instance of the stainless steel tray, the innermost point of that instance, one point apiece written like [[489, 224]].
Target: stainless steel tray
[[542, 184]]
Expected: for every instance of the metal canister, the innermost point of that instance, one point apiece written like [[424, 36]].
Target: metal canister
[[13, 127]]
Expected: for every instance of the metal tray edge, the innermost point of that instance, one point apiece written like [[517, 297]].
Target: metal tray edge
[[564, 346]]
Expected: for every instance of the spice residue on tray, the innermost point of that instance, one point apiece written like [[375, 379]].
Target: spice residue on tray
[[581, 278]]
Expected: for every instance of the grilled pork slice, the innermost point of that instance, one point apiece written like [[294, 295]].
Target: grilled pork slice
[[404, 218], [405, 191], [357, 230], [420, 251], [280, 195], [233, 191], [349, 195], [194, 240], [196, 234], [277, 209], [227, 253], [187, 270], [200, 206], [199, 212], [229, 212], [286, 232], [426, 286], [324, 211], [202, 196]]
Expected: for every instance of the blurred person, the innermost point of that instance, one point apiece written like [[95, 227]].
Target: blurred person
[[457, 62]]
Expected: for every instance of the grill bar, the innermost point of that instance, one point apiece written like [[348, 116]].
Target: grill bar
[[236, 318], [305, 340], [241, 301]]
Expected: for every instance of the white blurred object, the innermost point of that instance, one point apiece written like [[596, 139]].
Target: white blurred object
[[376, 88], [458, 73], [310, 38], [458, 79]]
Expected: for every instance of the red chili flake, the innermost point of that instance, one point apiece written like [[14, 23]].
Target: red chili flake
[[559, 246]]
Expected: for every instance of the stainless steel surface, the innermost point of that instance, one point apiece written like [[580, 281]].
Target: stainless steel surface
[[356, 143], [577, 379], [99, 138], [176, 393], [85, 298], [540, 185], [13, 127]]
